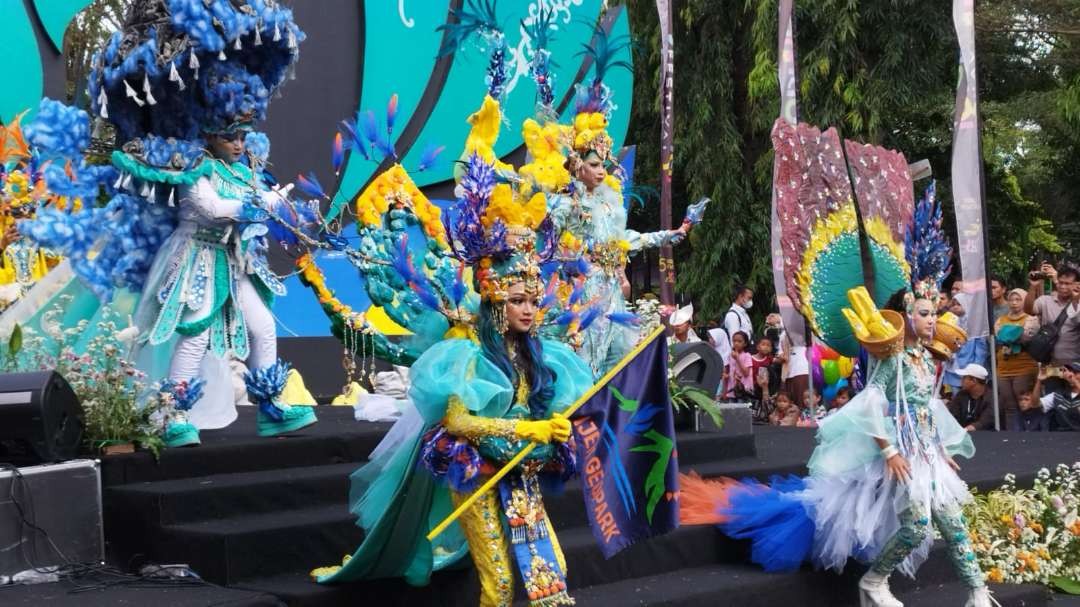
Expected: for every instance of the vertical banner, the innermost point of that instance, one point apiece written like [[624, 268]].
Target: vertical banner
[[625, 439], [667, 145], [967, 174], [793, 320]]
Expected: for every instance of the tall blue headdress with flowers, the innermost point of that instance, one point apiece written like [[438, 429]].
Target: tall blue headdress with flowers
[[180, 67], [176, 69]]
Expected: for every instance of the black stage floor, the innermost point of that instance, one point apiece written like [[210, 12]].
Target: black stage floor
[[255, 514]]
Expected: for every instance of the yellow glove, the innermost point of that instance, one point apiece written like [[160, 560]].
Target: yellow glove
[[560, 428], [545, 430], [867, 315]]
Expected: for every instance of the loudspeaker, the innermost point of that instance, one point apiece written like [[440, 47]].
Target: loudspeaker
[[699, 365], [40, 418], [64, 502]]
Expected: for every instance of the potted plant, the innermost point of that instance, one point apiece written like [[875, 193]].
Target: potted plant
[[107, 384], [686, 401]]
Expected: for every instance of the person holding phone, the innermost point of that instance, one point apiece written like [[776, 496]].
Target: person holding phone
[[1061, 306]]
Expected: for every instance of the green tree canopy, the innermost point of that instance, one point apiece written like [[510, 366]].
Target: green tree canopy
[[881, 71]]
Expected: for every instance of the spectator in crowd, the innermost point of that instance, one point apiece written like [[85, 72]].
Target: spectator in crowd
[[972, 410], [774, 329], [762, 361], [785, 412], [975, 350], [795, 369], [738, 372], [1031, 417], [1062, 405], [1063, 304], [998, 296], [680, 321], [812, 408], [1016, 370], [843, 395], [737, 318]]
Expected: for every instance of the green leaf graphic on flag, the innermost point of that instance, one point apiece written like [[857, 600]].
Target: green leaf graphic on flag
[[654, 482], [625, 404]]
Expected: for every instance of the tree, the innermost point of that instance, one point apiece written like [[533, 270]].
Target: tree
[[882, 71]]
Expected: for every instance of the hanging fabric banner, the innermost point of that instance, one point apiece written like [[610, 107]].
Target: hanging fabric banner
[[667, 145], [967, 175], [793, 320]]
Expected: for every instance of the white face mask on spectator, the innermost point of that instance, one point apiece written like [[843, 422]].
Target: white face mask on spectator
[[749, 304]]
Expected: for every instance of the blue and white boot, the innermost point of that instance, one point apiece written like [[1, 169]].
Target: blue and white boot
[[177, 399], [275, 417]]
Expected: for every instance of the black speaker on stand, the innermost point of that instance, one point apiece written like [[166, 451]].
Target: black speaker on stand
[[40, 418]]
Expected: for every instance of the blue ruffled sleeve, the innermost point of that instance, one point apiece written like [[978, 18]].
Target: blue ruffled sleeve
[[455, 367], [572, 376]]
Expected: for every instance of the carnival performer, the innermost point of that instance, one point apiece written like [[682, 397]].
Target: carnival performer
[[187, 228], [888, 454], [27, 157], [478, 400], [590, 214]]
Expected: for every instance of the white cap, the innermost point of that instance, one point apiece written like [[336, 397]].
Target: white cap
[[973, 370], [683, 315]]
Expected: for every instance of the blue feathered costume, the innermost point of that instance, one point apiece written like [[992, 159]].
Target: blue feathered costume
[[184, 82]]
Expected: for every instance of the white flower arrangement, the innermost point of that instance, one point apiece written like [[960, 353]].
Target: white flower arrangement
[[108, 385], [648, 310], [1030, 535]]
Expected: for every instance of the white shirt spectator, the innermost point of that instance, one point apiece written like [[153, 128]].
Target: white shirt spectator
[[736, 319]]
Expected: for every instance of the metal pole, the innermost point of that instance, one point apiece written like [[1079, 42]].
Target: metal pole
[[667, 146]]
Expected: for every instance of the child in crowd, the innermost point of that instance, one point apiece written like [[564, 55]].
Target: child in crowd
[[1032, 418], [761, 366], [813, 408], [785, 413], [738, 372], [843, 395]]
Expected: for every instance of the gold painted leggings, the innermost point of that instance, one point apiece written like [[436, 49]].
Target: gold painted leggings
[[482, 525]]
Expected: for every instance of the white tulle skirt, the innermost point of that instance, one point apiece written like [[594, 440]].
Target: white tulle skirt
[[856, 513]]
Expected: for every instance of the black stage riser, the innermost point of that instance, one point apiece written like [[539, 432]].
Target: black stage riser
[[259, 513]]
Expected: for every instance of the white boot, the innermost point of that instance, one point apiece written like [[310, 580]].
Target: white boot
[[874, 591], [980, 597]]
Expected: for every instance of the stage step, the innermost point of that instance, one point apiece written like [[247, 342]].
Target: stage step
[[223, 495], [731, 584], [260, 513], [337, 438]]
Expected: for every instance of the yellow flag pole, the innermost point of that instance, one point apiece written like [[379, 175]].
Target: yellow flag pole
[[487, 486]]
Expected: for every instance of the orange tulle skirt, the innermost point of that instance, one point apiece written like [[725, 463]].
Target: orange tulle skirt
[[701, 501]]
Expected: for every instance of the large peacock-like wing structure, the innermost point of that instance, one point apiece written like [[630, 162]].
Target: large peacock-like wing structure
[[819, 229], [886, 198]]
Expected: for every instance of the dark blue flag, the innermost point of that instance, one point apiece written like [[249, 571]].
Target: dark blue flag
[[625, 439]]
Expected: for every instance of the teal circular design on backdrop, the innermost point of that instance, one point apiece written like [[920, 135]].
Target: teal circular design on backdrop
[[55, 16], [837, 270], [19, 61], [401, 45]]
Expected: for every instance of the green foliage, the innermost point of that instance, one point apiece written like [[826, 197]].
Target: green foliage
[[1066, 585], [882, 71]]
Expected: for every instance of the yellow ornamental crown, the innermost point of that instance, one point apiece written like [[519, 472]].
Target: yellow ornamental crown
[[394, 188]]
